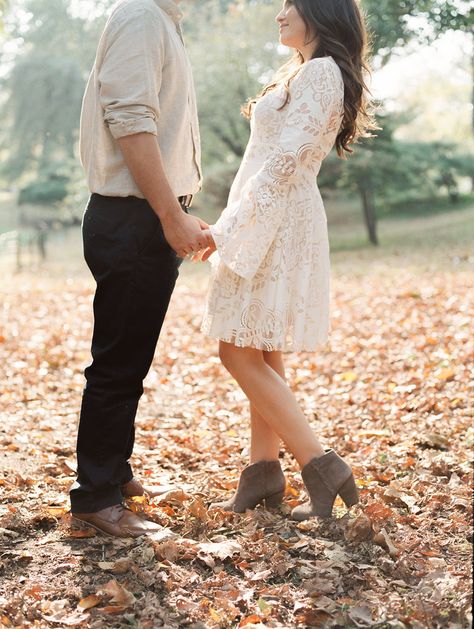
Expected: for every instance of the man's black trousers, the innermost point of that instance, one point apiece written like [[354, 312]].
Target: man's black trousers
[[135, 270]]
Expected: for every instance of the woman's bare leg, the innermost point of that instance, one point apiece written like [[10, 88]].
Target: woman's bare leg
[[264, 442], [272, 398]]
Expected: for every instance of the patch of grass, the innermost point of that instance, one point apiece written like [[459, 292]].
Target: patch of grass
[[436, 241], [427, 207]]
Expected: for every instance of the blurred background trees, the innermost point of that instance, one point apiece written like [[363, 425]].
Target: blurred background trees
[[48, 47]]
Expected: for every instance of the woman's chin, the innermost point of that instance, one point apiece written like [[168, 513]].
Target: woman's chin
[[284, 41]]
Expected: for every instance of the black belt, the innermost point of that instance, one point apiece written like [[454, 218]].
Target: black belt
[[186, 200]]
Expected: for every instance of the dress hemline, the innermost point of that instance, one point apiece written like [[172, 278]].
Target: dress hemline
[[281, 348]]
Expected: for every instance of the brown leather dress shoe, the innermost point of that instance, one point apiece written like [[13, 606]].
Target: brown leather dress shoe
[[117, 521], [135, 488]]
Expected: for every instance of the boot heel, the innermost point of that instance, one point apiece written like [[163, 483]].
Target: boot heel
[[274, 500], [349, 493]]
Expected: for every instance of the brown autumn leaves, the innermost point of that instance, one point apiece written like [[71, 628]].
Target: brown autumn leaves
[[393, 393]]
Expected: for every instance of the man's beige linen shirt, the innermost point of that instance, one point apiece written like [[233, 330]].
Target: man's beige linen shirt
[[141, 82]]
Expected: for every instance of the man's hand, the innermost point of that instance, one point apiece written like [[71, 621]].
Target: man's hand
[[186, 234]]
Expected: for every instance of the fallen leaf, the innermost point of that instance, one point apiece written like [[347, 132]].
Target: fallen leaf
[[348, 376], [434, 440], [167, 550], [117, 593], [251, 620], [198, 509], [382, 539], [379, 512], [36, 592], [220, 550], [90, 601], [57, 511], [114, 609], [120, 566], [394, 496], [176, 496], [448, 373], [361, 613], [359, 530]]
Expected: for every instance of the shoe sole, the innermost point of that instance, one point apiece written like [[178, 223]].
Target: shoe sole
[[269, 502]]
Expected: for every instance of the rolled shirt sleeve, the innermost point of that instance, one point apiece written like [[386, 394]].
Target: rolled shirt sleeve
[[130, 74], [246, 229]]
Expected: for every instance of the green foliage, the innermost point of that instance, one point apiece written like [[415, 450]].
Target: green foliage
[[233, 46], [48, 189], [42, 129], [230, 64], [397, 172], [394, 23], [43, 90], [51, 27], [238, 55], [3, 9]]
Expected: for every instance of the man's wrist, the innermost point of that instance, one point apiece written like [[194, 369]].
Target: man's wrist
[[170, 213]]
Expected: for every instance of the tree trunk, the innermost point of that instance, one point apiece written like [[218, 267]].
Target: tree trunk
[[472, 100], [472, 67], [369, 213], [19, 261]]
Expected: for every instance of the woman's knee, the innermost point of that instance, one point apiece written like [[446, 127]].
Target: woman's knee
[[235, 358]]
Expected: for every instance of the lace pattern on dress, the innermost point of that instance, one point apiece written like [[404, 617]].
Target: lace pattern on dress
[[270, 282]]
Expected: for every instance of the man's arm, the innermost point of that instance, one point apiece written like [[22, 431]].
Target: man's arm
[[142, 155], [130, 83]]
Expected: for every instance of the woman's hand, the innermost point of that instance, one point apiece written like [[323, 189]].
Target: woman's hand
[[204, 254]]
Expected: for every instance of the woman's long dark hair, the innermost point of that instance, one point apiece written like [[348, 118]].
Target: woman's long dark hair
[[339, 31]]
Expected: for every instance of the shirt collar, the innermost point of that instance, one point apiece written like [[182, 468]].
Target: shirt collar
[[172, 9]]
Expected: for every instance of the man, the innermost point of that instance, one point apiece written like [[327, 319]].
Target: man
[[140, 149]]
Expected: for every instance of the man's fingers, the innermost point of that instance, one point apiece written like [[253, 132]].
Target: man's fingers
[[203, 243], [188, 242], [183, 253], [209, 240], [202, 223]]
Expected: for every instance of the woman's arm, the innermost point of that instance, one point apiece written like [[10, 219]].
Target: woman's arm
[[246, 229]]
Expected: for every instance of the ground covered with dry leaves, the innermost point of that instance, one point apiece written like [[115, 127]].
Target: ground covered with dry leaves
[[391, 392]]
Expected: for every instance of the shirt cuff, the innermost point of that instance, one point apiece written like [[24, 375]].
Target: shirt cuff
[[120, 128]]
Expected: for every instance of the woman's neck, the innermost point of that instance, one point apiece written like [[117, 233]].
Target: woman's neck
[[307, 51]]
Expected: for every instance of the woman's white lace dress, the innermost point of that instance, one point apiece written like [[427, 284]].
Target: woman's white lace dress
[[269, 285]]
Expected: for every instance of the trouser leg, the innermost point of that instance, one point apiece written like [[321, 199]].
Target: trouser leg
[[135, 271]]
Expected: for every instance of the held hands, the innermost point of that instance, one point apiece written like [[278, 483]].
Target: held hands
[[204, 254], [188, 235]]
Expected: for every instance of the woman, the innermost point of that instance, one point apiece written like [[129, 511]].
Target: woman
[[269, 288]]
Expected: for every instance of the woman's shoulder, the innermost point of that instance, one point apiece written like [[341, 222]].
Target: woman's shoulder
[[321, 71]]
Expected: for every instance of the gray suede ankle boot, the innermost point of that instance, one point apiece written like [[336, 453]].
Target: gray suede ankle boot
[[325, 477], [262, 482]]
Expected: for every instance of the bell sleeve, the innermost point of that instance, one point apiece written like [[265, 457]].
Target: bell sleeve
[[247, 227]]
